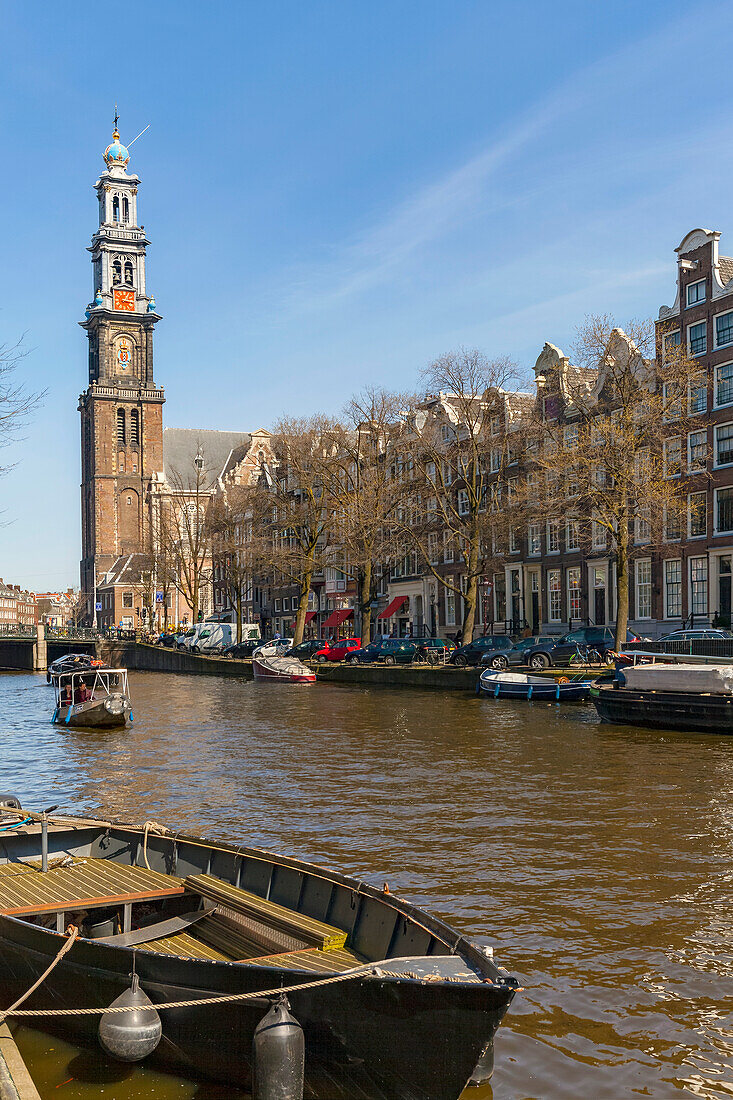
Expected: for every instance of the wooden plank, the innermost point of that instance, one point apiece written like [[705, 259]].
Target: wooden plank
[[184, 946], [306, 929], [91, 883], [311, 959]]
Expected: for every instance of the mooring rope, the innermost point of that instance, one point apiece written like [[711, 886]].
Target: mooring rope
[[373, 968], [159, 830], [74, 932]]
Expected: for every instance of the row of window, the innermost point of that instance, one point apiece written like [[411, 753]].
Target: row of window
[[697, 335]]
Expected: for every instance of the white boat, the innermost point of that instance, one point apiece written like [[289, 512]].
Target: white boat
[[284, 670]]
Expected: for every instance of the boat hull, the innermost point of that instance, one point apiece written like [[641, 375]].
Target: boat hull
[[428, 1050], [266, 670], [537, 688], [94, 715], [665, 709]]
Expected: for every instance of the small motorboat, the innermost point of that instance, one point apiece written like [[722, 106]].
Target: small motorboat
[[72, 662], [663, 693], [521, 685], [283, 670], [388, 1001], [93, 697]]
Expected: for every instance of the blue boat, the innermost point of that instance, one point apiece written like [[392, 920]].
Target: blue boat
[[521, 685]]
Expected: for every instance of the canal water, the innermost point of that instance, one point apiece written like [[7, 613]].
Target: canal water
[[596, 859]]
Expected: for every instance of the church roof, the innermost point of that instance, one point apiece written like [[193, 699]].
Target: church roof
[[182, 445]]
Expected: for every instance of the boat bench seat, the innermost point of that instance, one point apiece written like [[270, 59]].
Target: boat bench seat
[[246, 925], [87, 884]]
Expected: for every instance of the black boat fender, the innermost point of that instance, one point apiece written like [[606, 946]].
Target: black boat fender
[[131, 1036], [278, 1055]]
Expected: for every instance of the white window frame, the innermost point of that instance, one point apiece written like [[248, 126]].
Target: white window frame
[[495, 460], [665, 586], [719, 530], [704, 534], [695, 354], [575, 595], [572, 543], [692, 468], [702, 579], [643, 610], [448, 551], [704, 387], [716, 403], [716, 464], [553, 528], [716, 317], [450, 604], [599, 536], [495, 423], [433, 548], [694, 286], [514, 546], [676, 441], [463, 502], [534, 540], [554, 590], [667, 336]]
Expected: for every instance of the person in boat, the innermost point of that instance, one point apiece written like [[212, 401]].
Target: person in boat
[[82, 693], [65, 698]]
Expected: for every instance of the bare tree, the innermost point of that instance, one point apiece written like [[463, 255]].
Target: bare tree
[[184, 541], [606, 441], [362, 498], [231, 522], [16, 401], [442, 462], [300, 521]]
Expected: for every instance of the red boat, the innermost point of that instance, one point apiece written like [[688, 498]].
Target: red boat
[[284, 670]]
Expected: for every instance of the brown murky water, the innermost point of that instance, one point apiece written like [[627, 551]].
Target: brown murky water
[[598, 860]]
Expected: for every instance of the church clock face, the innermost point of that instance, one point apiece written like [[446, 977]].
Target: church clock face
[[124, 300]]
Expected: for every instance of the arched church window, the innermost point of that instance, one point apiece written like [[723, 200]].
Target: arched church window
[[116, 272], [128, 272], [116, 208], [125, 210], [121, 426], [134, 426]]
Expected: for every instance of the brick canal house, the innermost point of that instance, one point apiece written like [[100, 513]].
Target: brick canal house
[[18, 608]]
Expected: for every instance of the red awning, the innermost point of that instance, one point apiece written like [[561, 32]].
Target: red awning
[[336, 618], [390, 609], [310, 615]]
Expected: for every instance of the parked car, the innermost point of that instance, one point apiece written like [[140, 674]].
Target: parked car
[[514, 655], [336, 651], [167, 640], [709, 633], [307, 649], [392, 651], [242, 650], [472, 652], [602, 638], [433, 650]]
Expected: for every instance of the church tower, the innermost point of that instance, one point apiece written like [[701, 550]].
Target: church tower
[[121, 409]]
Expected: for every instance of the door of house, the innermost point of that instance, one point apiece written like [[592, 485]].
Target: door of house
[[516, 606], [535, 602], [724, 588], [599, 598]]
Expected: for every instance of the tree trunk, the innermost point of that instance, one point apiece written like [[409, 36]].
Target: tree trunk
[[469, 598], [365, 602], [622, 582], [305, 587], [239, 614]]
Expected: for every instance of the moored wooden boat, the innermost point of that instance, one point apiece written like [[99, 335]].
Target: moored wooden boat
[[95, 698], [670, 695], [201, 918], [521, 685], [284, 670]]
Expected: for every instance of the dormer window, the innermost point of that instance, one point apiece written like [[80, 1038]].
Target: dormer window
[[696, 292]]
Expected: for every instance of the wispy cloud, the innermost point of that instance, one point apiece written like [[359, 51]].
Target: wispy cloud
[[379, 253]]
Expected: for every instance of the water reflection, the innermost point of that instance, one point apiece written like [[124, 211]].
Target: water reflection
[[596, 859]]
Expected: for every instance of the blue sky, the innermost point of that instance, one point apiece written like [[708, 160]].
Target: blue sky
[[337, 192]]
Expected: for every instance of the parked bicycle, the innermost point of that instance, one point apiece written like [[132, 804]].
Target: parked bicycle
[[586, 655]]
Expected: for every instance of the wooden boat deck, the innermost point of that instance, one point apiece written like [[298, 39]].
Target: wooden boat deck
[[85, 884]]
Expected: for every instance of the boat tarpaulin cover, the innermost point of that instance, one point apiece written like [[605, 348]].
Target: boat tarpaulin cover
[[390, 609], [337, 617], [698, 678]]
